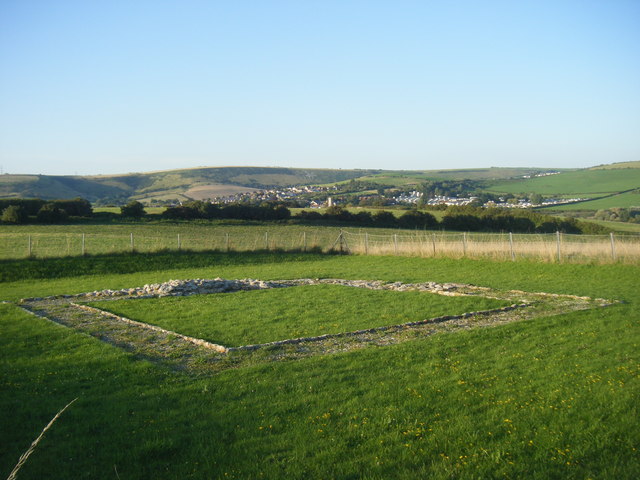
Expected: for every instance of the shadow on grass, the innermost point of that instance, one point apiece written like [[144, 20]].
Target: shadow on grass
[[61, 267]]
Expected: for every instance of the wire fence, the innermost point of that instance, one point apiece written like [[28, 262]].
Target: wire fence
[[548, 247], [556, 247]]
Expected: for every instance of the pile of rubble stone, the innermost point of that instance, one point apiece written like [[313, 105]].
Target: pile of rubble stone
[[200, 286], [197, 286], [396, 286]]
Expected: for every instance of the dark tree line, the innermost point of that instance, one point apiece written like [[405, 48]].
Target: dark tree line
[[411, 219], [18, 210], [77, 207], [473, 219], [465, 219], [448, 188], [209, 211], [460, 218]]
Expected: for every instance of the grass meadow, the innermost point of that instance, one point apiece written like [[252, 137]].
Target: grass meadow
[[621, 226], [40, 241], [261, 316], [624, 200], [554, 397], [579, 182]]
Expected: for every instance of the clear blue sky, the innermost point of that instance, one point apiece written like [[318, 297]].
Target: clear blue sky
[[121, 86]]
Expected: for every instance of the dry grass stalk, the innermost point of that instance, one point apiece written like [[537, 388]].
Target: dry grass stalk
[[573, 248], [25, 455]]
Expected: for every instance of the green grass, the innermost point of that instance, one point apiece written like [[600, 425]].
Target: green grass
[[617, 165], [548, 398], [401, 178], [619, 226], [66, 240], [262, 316], [61, 240], [90, 268], [579, 182], [623, 200]]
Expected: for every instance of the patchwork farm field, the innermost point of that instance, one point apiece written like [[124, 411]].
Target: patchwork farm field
[[552, 396]]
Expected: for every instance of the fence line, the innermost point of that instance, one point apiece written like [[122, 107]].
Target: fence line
[[556, 247], [553, 247]]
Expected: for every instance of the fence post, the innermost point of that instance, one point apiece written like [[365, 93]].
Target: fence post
[[304, 241], [342, 242], [395, 243], [366, 243], [266, 240], [83, 245], [132, 246], [179, 242], [464, 244], [613, 247], [433, 240], [29, 246], [338, 241], [558, 245], [226, 241], [513, 256]]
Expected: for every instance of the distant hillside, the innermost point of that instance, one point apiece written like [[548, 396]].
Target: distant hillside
[[620, 200], [613, 184], [617, 165], [408, 177], [589, 182], [196, 183], [202, 183]]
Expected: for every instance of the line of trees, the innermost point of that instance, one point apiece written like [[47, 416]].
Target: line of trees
[[468, 218], [411, 219], [449, 188], [209, 211], [18, 210], [460, 218]]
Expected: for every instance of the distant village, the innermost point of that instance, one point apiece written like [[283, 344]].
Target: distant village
[[542, 174], [321, 197]]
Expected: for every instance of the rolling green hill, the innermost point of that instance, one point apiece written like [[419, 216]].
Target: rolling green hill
[[407, 177], [617, 165], [199, 183], [593, 182], [165, 184], [621, 200], [613, 182]]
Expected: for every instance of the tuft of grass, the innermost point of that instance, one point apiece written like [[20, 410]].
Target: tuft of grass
[[23, 458]]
